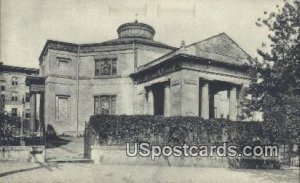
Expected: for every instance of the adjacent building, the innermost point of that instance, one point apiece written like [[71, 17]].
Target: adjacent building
[[14, 94], [134, 74]]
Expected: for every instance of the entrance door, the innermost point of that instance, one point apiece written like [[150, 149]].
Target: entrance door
[[159, 98]]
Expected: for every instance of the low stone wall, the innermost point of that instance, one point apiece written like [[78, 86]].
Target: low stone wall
[[117, 155], [22, 153]]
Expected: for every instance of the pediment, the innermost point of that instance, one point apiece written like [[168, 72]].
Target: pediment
[[220, 45]]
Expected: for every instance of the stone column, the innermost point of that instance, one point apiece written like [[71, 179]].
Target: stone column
[[150, 102], [232, 104], [32, 111], [42, 109], [167, 102], [145, 103], [240, 93], [205, 100]]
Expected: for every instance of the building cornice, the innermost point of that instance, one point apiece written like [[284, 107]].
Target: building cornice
[[27, 70], [71, 47], [175, 63]]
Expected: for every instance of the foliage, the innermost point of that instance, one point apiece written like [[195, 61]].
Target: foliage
[[10, 130], [114, 129], [275, 88], [7, 128]]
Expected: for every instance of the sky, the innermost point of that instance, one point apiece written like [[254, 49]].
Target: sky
[[27, 25]]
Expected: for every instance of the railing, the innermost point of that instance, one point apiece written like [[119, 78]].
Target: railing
[[289, 155], [15, 131]]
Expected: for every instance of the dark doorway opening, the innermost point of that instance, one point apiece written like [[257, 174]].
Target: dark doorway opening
[[159, 98]]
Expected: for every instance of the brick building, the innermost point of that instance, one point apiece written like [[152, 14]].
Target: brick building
[[134, 74], [14, 94]]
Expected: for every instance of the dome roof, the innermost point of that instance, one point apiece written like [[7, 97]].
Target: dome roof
[[136, 30]]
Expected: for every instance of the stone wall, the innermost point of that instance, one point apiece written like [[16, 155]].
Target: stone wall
[[23, 153], [146, 54], [54, 87], [117, 155]]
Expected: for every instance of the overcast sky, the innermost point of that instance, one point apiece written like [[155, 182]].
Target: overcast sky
[[26, 25]]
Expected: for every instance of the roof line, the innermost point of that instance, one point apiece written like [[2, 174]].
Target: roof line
[[186, 56], [141, 41], [185, 47], [238, 45], [206, 39], [105, 43], [168, 54], [54, 41], [19, 67], [217, 36]]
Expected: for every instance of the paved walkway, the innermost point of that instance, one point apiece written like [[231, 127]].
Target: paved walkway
[[65, 148], [89, 173], [70, 148]]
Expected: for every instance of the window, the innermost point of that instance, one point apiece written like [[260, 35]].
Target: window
[[2, 101], [14, 96], [2, 98], [2, 85], [14, 111], [14, 81], [27, 97], [63, 62], [27, 113], [107, 66], [105, 104], [62, 108]]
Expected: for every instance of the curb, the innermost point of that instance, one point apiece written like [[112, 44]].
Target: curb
[[70, 161]]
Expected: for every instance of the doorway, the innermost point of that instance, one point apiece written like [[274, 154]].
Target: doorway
[[159, 98]]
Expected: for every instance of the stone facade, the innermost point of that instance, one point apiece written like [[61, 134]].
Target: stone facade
[[14, 94], [136, 75]]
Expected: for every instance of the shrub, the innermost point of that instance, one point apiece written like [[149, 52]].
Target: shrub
[[8, 125], [119, 129]]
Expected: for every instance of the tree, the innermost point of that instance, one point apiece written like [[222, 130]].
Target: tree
[[275, 88]]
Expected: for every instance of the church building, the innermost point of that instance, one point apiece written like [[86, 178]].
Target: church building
[[135, 75]]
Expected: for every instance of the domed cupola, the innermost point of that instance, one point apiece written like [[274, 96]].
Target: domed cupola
[[136, 30]]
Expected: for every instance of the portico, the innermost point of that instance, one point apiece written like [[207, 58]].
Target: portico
[[189, 86], [37, 98]]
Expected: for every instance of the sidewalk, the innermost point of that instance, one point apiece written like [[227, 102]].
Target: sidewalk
[[65, 149], [63, 154], [90, 173]]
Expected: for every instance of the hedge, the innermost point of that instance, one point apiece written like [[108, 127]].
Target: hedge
[[8, 125], [9, 129], [119, 129]]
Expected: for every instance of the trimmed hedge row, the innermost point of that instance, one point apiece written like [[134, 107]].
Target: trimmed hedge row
[[119, 129]]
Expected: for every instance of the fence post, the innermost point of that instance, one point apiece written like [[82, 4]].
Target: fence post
[[87, 141]]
